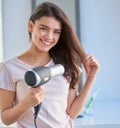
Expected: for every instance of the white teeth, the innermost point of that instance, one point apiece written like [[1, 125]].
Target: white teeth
[[47, 43]]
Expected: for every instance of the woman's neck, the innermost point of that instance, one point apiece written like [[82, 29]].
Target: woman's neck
[[35, 58]]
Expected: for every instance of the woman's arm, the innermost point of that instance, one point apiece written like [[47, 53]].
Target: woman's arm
[[10, 113], [77, 102]]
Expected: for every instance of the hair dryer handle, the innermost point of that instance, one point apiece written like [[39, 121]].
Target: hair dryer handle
[[36, 110]]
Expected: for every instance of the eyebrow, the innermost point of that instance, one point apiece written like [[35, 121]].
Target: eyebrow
[[48, 27]]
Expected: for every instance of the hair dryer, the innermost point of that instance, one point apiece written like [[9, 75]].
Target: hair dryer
[[40, 75]]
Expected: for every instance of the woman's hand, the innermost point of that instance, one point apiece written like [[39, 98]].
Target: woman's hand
[[34, 96], [93, 65]]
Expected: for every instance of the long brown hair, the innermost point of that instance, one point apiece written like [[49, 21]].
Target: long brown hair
[[68, 51]]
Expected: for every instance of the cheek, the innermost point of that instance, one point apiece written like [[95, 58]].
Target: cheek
[[35, 35]]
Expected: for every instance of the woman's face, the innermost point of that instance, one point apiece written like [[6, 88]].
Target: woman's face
[[45, 32]]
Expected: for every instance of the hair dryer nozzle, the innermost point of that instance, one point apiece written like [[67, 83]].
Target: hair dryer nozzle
[[30, 78]]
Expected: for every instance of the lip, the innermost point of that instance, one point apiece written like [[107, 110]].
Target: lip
[[45, 43]]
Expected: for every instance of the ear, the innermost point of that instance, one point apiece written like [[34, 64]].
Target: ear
[[30, 26]]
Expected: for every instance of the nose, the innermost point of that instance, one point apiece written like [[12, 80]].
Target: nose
[[50, 35]]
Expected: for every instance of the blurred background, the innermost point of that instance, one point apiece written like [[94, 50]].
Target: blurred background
[[97, 23]]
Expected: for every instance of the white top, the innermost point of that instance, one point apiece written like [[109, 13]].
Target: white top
[[53, 110]]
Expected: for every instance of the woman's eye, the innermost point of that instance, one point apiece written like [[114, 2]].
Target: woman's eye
[[57, 32], [44, 29]]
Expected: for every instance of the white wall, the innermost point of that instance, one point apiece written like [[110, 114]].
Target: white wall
[[15, 35], [100, 34], [1, 41]]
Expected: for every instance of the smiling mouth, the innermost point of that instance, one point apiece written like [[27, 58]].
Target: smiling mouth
[[45, 42]]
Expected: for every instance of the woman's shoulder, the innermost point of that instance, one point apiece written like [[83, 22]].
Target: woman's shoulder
[[7, 64], [6, 61], [13, 64]]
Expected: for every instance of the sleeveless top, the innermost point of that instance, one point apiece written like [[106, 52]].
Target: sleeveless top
[[53, 109]]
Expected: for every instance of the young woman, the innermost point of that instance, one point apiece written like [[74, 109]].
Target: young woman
[[53, 41]]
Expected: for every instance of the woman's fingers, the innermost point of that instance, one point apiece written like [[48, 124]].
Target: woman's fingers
[[93, 64]]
